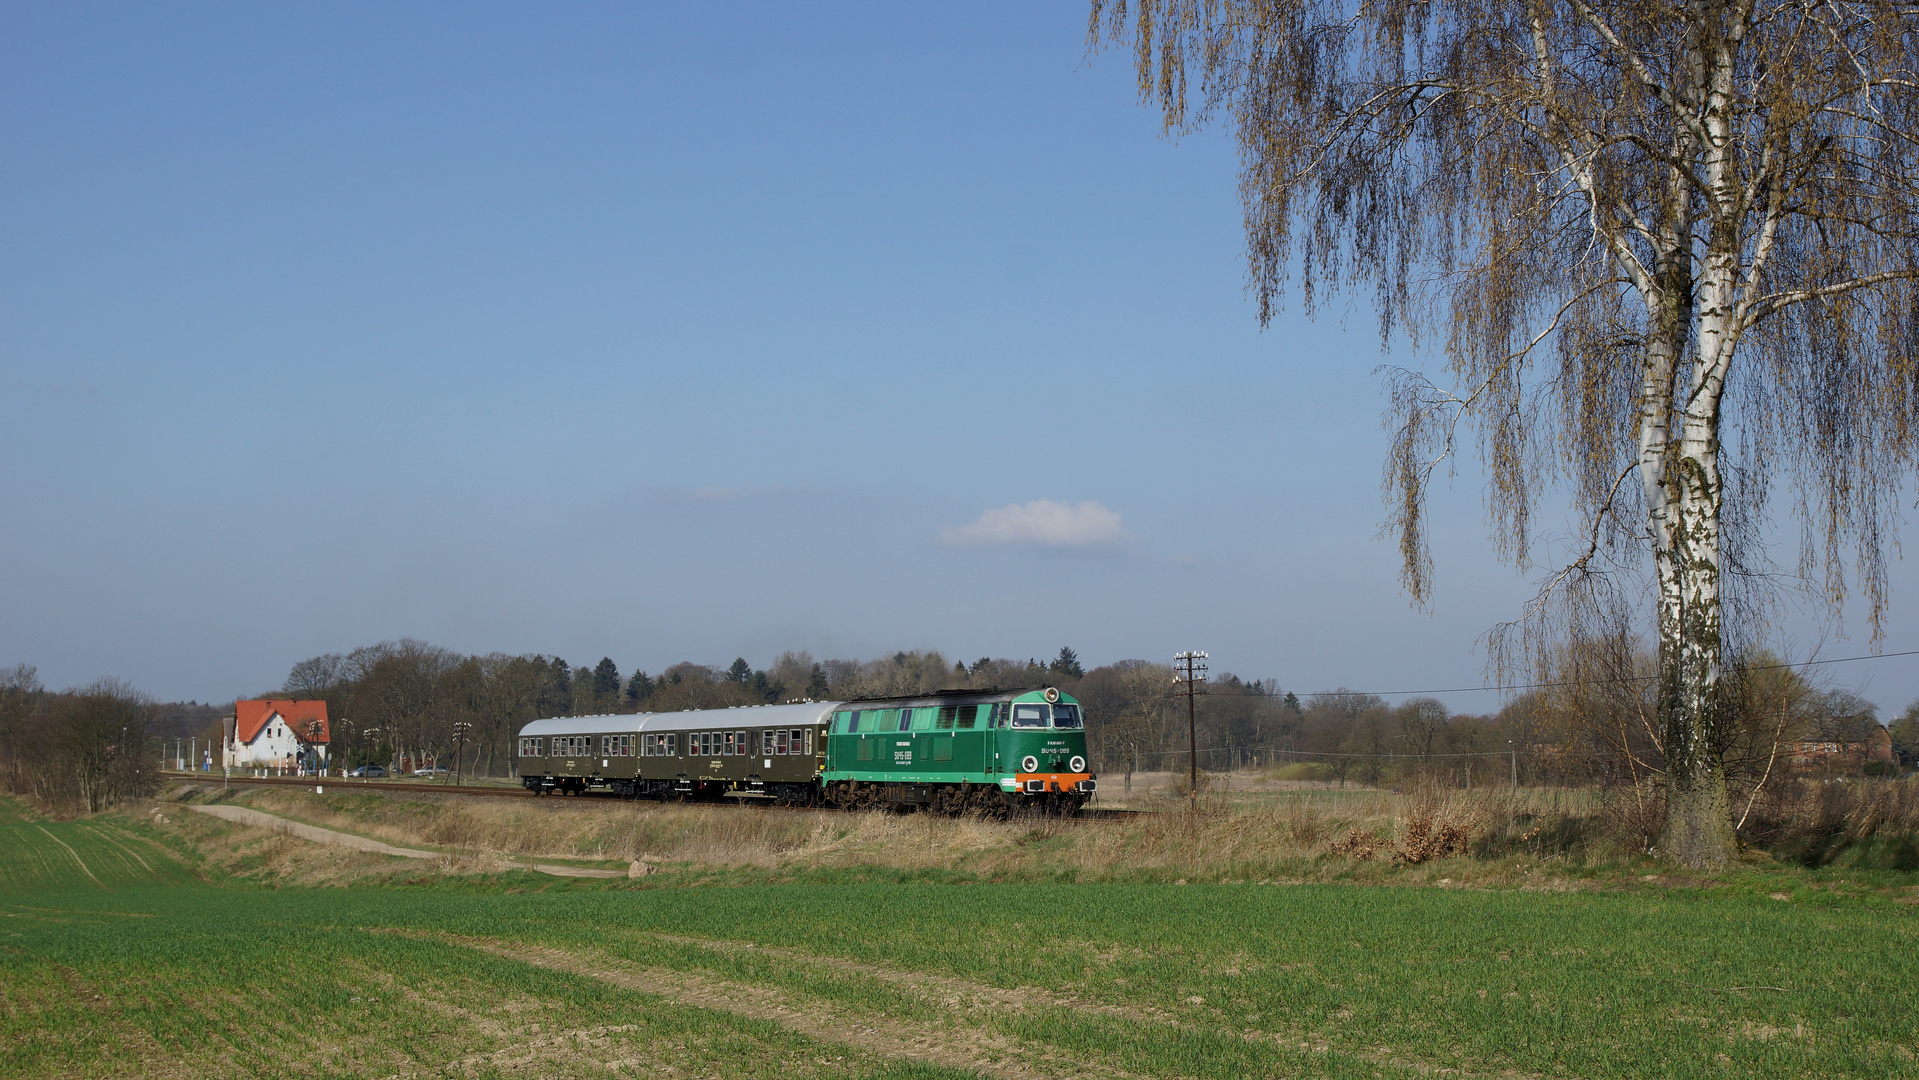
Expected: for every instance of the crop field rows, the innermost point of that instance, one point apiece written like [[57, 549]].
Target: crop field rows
[[117, 959]]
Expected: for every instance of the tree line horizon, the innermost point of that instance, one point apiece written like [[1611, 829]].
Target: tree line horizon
[[414, 700]]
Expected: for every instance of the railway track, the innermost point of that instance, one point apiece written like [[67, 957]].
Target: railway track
[[349, 784]]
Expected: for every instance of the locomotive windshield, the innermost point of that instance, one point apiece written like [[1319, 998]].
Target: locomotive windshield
[[1036, 716]]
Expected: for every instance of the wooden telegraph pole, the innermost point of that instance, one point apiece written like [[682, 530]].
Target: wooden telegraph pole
[[1189, 669]]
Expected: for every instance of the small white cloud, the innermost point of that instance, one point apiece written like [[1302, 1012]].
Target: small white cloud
[[1041, 523]]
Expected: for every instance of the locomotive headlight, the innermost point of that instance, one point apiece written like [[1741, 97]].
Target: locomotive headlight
[[1078, 764], [1029, 763]]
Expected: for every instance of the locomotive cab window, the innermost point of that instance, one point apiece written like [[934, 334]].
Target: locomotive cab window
[[1029, 716], [1066, 716]]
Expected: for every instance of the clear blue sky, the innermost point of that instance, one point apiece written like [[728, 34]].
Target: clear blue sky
[[672, 333]]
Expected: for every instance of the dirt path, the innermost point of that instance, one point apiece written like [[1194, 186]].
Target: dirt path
[[953, 1042], [247, 816]]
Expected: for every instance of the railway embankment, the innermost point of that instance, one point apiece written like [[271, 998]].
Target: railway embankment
[[1545, 839]]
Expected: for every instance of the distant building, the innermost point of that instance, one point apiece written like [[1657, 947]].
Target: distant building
[[284, 736], [1841, 757]]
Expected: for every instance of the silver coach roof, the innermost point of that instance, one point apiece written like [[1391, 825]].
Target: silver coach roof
[[810, 712]]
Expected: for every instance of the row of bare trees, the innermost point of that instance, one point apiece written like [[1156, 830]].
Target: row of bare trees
[[419, 702], [1593, 722], [76, 750]]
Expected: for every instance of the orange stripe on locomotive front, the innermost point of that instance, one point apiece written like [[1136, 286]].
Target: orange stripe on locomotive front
[[1055, 781]]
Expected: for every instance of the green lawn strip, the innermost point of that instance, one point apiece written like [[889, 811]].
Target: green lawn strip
[[1606, 984], [237, 983], [1051, 1036], [97, 853]]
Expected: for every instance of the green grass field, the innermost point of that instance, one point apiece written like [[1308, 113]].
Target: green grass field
[[118, 960]]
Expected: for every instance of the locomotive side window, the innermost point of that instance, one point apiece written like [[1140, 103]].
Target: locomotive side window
[[842, 722], [967, 714], [998, 719], [947, 714], [922, 720], [906, 719], [1029, 716]]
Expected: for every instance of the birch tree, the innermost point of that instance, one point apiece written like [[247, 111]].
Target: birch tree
[[1668, 251]]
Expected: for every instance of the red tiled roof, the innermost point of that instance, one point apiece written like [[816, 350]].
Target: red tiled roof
[[250, 717]]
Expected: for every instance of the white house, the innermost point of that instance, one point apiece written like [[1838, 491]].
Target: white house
[[285, 736]]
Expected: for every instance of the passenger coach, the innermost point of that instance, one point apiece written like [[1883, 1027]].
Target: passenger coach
[[763, 752]]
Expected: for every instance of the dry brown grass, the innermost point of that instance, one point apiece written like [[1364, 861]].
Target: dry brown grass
[[1490, 837]]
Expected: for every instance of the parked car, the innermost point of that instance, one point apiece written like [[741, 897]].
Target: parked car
[[432, 771], [368, 772]]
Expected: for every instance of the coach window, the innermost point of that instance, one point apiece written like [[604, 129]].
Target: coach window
[[809, 740], [781, 736], [1029, 716]]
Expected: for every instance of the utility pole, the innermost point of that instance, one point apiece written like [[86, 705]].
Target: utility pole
[[1189, 669], [460, 728]]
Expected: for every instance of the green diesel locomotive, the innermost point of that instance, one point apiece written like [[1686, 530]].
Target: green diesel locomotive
[[985, 751]]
